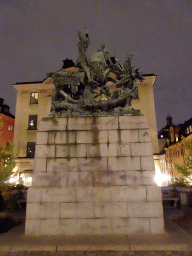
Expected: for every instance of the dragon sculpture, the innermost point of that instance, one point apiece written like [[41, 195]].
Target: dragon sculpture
[[96, 86]]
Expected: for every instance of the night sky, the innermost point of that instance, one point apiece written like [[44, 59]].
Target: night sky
[[37, 35]]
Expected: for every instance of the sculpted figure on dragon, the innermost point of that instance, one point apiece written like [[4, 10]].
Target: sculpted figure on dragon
[[96, 86]]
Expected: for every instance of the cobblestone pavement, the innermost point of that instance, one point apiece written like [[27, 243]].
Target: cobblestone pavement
[[98, 253]]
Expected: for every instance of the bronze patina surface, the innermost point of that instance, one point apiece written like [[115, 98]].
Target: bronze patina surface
[[97, 86]]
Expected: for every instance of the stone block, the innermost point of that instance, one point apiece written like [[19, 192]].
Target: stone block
[[102, 194], [120, 225], [114, 136], [62, 165], [93, 150], [134, 125], [68, 227], [108, 149], [40, 165], [61, 123], [46, 125], [77, 210], [49, 210], [42, 138], [134, 178], [85, 179], [72, 179], [62, 151], [148, 177], [147, 163], [34, 195], [141, 149], [104, 178], [85, 136], [125, 136], [154, 193], [128, 194], [85, 227], [59, 195], [50, 226], [103, 136], [46, 179], [71, 137], [131, 226], [145, 209], [85, 194], [32, 226], [103, 226], [120, 178], [43, 151], [129, 136], [79, 150], [157, 226], [32, 210], [61, 137], [64, 181], [92, 164], [124, 150], [132, 119], [124, 163], [81, 123], [51, 137], [144, 135], [110, 209]]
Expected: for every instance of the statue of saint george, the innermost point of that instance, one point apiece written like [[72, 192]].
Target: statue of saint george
[[96, 86]]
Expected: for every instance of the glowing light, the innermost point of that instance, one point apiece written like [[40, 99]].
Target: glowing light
[[29, 179], [161, 179]]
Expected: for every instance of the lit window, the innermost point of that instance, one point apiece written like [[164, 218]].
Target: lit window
[[34, 98], [32, 124], [10, 127], [30, 149]]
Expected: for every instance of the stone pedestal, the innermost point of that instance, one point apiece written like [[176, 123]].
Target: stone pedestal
[[94, 176]]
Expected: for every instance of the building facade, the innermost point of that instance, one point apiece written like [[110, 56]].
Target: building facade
[[7, 124], [172, 149], [34, 102]]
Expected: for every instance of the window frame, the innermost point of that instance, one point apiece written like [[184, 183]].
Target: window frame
[[33, 100], [34, 126], [10, 127], [30, 153]]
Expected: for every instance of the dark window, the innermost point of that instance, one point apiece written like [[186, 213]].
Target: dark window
[[30, 149], [34, 98], [32, 124]]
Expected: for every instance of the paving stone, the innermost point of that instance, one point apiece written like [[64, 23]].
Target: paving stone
[[168, 253], [24, 254], [141, 253], [187, 253]]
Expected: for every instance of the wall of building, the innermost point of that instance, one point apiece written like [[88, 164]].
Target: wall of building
[[175, 155], [146, 104], [24, 108], [7, 129]]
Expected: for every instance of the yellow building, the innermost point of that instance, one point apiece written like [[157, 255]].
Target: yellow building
[[34, 102], [174, 149]]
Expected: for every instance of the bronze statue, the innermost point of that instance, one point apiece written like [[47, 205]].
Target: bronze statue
[[98, 86]]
